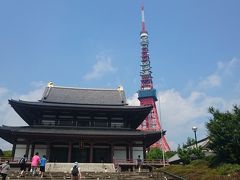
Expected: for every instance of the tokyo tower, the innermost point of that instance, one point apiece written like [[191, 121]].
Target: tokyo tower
[[147, 94]]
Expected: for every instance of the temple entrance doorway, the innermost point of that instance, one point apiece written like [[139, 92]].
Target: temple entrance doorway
[[101, 153], [80, 154], [59, 153]]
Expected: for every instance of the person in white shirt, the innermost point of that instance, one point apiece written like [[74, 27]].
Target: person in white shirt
[[5, 167]]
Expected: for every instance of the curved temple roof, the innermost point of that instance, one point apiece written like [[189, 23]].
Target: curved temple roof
[[64, 95], [10, 134], [77, 101], [30, 111]]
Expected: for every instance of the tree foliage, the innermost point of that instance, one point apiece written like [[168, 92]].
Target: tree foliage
[[189, 151], [170, 154], [7, 153], [224, 134], [1, 152], [156, 154]]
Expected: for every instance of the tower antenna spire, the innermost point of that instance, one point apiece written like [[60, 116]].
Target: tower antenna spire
[[143, 20]]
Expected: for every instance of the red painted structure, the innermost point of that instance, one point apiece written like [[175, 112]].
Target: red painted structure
[[147, 94]]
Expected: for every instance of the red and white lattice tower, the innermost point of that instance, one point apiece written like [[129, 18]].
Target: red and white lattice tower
[[147, 94]]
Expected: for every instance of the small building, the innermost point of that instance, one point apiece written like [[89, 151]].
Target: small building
[[84, 125], [203, 143]]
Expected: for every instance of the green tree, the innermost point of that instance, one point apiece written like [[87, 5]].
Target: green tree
[[184, 154], [1, 152], [170, 154], [189, 151], [190, 142], [154, 154], [224, 134], [7, 153]]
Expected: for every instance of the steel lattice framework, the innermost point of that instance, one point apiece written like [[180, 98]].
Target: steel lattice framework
[[147, 94]]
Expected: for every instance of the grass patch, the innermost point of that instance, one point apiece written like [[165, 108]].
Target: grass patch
[[199, 169], [226, 169]]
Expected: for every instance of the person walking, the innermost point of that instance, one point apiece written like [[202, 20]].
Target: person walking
[[35, 163], [139, 163], [43, 162], [5, 167], [23, 165], [75, 172]]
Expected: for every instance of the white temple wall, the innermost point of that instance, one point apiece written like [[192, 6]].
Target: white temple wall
[[41, 149], [137, 151], [120, 152], [20, 151]]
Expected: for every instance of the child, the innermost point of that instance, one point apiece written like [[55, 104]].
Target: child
[[43, 162]]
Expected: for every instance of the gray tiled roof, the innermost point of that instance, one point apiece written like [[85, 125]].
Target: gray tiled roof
[[9, 133], [77, 131], [84, 96]]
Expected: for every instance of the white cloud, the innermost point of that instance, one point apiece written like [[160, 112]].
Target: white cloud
[[179, 113], [229, 67], [3, 91], [133, 101], [225, 70], [213, 80], [8, 115], [102, 67]]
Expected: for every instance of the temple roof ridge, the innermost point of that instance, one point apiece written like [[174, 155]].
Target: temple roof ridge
[[82, 88], [71, 95]]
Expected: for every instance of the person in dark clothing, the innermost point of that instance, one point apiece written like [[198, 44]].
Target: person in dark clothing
[[75, 172], [139, 163], [23, 165]]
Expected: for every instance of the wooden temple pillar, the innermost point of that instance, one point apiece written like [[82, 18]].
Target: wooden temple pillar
[[32, 150], [69, 151], [130, 153], [48, 150], [13, 150], [27, 148], [111, 152], [144, 152], [91, 153]]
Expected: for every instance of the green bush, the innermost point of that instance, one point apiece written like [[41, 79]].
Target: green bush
[[7, 153], [154, 154], [1, 152], [228, 169], [199, 162]]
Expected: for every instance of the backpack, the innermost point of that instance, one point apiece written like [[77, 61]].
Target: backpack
[[75, 171], [22, 161]]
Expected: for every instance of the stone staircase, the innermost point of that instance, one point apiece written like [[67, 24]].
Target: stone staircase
[[91, 175], [85, 167]]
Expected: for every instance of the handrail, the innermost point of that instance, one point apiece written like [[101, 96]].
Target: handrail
[[144, 162], [3, 159], [172, 175]]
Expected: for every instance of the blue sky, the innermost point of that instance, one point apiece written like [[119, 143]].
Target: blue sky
[[194, 52]]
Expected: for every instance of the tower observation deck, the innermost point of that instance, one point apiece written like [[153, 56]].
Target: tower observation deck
[[147, 94]]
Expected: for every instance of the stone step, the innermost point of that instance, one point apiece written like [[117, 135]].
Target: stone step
[[85, 167], [86, 175]]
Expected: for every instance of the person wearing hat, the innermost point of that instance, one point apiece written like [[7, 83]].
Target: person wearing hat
[[75, 172], [5, 167]]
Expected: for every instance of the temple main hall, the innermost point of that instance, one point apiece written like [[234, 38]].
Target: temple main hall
[[77, 124]]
